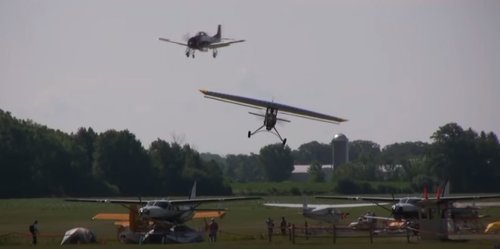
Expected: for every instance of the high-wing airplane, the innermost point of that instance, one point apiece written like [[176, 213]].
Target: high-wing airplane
[[329, 213], [203, 42], [175, 211], [271, 111], [411, 207]]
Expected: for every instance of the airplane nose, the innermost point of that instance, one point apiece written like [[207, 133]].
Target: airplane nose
[[143, 211]]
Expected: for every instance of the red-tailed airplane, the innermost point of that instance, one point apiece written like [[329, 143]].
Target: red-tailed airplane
[[411, 207], [271, 114], [203, 42]]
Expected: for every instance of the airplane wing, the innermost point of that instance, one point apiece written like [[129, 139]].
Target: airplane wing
[[223, 44], [321, 206], [167, 40], [179, 201], [115, 201], [208, 200], [261, 104], [434, 200], [360, 198]]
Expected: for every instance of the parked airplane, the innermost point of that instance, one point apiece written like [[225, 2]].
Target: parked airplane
[[412, 207], [272, 108], [329, 213], [175, 211], [203, 42]]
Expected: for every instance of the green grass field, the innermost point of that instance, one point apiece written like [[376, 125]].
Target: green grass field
[[242, 227]]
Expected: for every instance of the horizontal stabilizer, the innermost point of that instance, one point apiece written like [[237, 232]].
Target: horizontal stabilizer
[[111, 216], [262, 115], [209, 214]]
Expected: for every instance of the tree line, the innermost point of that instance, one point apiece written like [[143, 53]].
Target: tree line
[[39, 161]]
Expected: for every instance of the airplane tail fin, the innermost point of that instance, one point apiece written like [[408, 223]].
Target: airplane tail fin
[[304, 205], [446, 191], [192, 195], [219, 32]]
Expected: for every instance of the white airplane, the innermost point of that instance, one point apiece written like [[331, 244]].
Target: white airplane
[[203, 42], [412, 207], [271, 111], [329, 213], [176, 211]]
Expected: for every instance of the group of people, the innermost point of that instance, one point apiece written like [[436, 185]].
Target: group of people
[[270, 227]]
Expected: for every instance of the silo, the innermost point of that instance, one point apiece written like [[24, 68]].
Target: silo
[[340, 145]]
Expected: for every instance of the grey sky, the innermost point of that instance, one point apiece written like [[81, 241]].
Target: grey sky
[[396, 69]]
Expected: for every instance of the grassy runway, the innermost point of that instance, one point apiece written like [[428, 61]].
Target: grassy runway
[[243, 226]]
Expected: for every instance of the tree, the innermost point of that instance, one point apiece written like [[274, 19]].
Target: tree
[[313, 151], [316, 172], [277, 162], [362, 150], [120, 160]]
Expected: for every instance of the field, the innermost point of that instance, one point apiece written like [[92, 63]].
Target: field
[[243, 226]]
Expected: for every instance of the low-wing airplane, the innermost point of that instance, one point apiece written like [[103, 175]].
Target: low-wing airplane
[[329, 213], [271, 114], [175, 211], [203, 42]]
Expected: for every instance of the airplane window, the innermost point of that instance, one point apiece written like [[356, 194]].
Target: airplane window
[[162, 204]]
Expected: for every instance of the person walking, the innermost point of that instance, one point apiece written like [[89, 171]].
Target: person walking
[[34, 232], [213, 228]]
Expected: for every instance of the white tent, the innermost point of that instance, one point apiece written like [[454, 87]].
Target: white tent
[[78, 235]]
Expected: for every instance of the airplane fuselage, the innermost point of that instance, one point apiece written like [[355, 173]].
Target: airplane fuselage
[[201, 41], [163, 210], [406, 208], [329, 215], [270, 118]]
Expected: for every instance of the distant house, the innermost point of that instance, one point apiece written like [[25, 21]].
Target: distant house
[[300, 174]]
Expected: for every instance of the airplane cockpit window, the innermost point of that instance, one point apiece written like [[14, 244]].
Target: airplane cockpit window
[[413, 200], [162, 204], [202, 33]]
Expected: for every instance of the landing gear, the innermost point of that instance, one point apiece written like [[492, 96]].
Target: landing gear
[[283, 140], [189, 52], [215, 52]]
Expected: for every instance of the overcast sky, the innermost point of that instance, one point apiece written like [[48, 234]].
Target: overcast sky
[[396, 69]]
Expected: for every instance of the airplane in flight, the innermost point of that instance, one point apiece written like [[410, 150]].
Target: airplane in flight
[[174, 211], [271, 111], [329, 213], [203, 42]]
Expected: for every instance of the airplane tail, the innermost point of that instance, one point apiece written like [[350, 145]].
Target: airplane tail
[[304, 205], [446, 191], [443, 190], [219, 33], [192, 195]]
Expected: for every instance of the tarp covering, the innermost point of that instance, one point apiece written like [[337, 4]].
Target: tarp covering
[[78, 235]]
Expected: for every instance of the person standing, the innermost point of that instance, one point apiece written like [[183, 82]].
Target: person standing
[[213, 228], [34, 232], [270, 227], [283, 225]]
